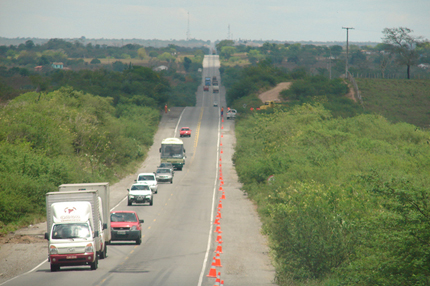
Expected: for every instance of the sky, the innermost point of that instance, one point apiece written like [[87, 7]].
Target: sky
[[283, 20]]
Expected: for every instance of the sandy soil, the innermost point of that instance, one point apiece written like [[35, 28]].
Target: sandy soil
[[273, 94]]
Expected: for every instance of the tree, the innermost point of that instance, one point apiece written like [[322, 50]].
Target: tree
[[227, 52], [187, 63], [29, 44], [254, 56], [141, 53], [403, 46], [95, 61], [224, 43]]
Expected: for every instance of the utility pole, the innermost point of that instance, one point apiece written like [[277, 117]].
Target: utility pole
[[228, 36], [188, 27], [347, 47]]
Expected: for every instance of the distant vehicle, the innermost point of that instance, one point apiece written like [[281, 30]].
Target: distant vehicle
[[125, 225], [172, 150], [231, 113], [215, 89], [207, 81], [215, 103], [167, 165], [140, 193], [206, 88], [268, 104], [185, 131], [150, 179], [164, 175]]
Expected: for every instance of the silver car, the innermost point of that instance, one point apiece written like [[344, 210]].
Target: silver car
[[164, 175]]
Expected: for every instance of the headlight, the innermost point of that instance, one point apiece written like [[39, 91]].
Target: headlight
[[133, 227], [53, 250], [131, 197], [89, 248]]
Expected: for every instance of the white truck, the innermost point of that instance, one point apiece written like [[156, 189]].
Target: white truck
[[74, 228], [104, 197]]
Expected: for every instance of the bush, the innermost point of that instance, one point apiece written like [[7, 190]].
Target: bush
[[95, 61]]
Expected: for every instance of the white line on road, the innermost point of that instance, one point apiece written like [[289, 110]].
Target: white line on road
[[179, 120], [212, 209]]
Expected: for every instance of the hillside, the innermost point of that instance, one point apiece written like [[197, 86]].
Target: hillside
[[398, 100]]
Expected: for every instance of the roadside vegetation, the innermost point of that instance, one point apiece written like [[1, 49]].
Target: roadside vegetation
[[341, 190], [83, 125], [347, 203]]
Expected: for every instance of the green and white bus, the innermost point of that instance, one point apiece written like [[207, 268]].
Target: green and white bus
[[172, 150]]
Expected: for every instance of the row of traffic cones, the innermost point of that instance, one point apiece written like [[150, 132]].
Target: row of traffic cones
[[216, 262]]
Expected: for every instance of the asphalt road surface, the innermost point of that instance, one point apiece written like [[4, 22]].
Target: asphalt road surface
[[178, 236]]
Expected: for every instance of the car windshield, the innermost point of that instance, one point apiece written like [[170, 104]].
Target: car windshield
[[65, 231], [139, 187], [185, 129], [146, 178], [163, 171], [166, 165], [123, 217]]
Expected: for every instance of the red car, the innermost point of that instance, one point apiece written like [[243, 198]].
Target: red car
[[205, 88], [125, 225], [185, 131]]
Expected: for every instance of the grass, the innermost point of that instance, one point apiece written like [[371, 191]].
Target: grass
[[398, 100]]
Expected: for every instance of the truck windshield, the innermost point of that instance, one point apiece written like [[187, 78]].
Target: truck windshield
[[172, 151], [75, 230]]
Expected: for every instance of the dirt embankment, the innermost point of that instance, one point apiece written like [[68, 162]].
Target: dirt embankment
[[273, 94]]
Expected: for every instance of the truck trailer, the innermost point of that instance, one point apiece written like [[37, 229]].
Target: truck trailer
[[104, 198]]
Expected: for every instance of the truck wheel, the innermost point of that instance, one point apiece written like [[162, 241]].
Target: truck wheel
[[95, 264], [171, 181], [103, 253], [54, 267], [129, 203], [151, 202], [139, 241]]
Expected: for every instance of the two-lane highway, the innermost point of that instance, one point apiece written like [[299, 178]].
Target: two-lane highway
[[177, 236]]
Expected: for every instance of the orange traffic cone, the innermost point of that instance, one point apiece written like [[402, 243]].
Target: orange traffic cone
[[222, 126], [222, 135], [222, 152], [220, 204], [220, 143], [218, 229], [218, 279], [217, 221], [222, 283], [212, 271], [221, 183], [219, 238], [220, 177], [218, 214], [223, 196], [219, 248], [220, 189], [217, 260]]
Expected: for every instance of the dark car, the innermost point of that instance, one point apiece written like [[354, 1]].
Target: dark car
[[166, 165], [125, 226]]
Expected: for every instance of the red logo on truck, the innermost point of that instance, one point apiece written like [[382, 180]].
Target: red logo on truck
[[69, 210]]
